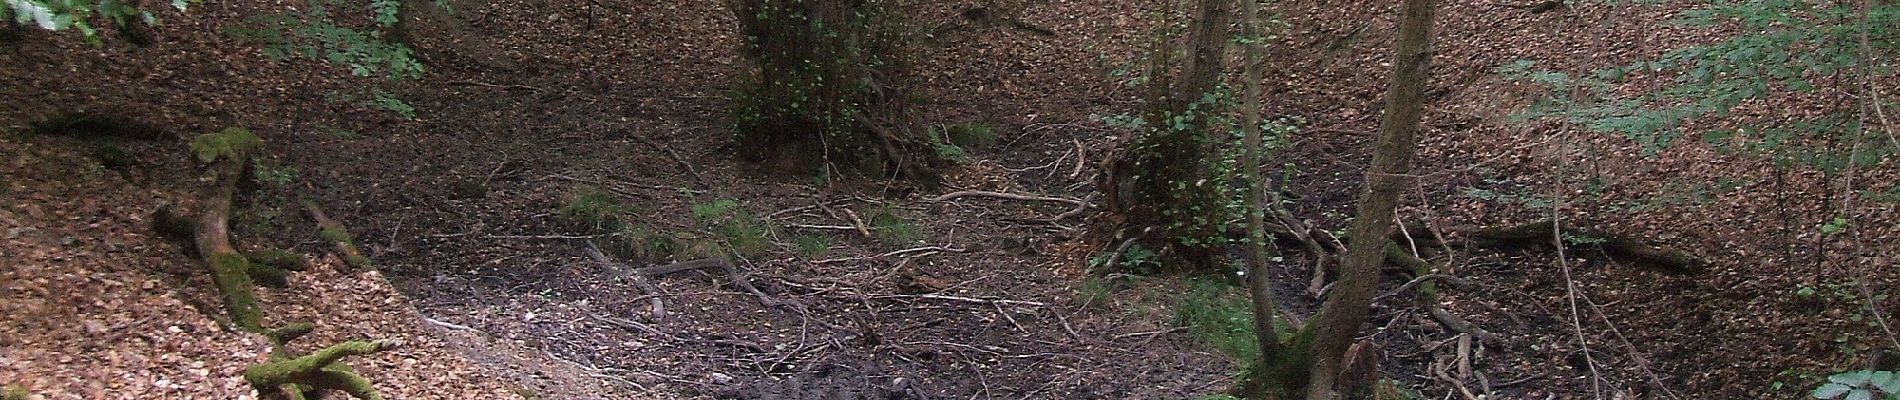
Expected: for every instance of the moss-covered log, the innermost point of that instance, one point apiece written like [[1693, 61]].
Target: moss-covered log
[[229, 154], [319, 370], [331, 231]]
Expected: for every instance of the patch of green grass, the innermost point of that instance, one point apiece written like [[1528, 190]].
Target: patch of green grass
[[1221, 316], [952, 141], [337, 132], [588, 207], [812, 246], [969, 134], [1095, 291], [743, 233], [892, 229]]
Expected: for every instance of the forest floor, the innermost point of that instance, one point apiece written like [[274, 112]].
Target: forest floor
[[526, 102]]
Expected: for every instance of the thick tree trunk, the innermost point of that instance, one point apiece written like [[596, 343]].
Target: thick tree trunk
[[1350, 300]]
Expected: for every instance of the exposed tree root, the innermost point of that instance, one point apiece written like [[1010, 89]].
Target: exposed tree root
[[333, 232], [294, 378], [229, 151]]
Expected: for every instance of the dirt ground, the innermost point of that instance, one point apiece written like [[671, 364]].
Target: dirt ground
[[525, 101]]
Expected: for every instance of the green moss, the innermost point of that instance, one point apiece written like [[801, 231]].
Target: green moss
[[279, 258], [812, 246], [318, 370], [269, 275], [231, 272], [357, 260], [283, 335], [15, 392], [335, 235], [230, 142]]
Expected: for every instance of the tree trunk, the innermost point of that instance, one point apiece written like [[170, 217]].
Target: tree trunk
[[1265, 306], [1339, 318], [1158, 181], [829, 88]]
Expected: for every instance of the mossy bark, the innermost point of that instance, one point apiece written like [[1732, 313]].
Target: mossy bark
[[1350, 300], [230, 158], [331, 231], [319, 370]]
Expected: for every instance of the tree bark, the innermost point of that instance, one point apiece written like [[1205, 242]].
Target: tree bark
[[1158, 181], [1265, 306], [1350, 301], [212, 237]]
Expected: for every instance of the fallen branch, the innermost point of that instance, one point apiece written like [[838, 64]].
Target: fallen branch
[[655, 307], [317, 370], [331, 231], [1011, 196]]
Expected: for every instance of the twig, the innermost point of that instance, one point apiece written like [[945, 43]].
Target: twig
[[957, 298], [701, 180], [1011, 196], [655, 307]]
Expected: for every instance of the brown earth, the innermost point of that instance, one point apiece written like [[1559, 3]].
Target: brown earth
[[526, 100]]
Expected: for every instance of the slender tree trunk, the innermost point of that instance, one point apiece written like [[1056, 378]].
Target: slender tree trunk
[[1265, 306], [1350, 300]]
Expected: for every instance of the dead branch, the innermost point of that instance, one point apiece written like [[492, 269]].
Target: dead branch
[[655, 307], [1011, 196]]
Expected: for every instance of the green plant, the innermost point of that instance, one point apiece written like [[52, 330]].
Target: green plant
[[1860, 385], [893, 229], [591, 208], [812, 246], [77, 15], [313, 33], [386, 101], [1220, 316], [737, 229]]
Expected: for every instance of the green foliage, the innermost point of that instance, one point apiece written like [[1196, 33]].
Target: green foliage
[[741, 232], [1860, 385], [893, 229], [1136, 259], [828, 70], [588, 207], [812, 246], [386, 101], [77, 15], [230, 142], [313, 33], [1788, 47]]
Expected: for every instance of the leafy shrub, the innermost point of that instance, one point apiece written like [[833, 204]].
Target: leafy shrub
[[1860, 385], [313, 33]]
